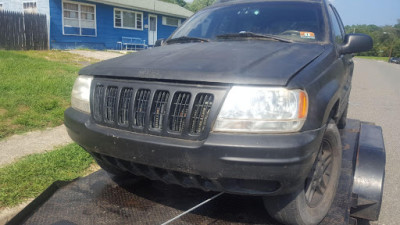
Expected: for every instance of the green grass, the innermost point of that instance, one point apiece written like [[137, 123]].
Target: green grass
[[31, 175], [385, 59], [35, 88]]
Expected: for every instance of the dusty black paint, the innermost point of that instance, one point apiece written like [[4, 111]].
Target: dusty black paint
[[318, 68], [255, 62]]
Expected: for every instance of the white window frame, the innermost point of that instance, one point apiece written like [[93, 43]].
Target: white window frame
[[122, 19], [164, 21], [79, 18], [37, 7]]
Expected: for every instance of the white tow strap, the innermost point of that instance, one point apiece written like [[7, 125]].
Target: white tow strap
[[193, 208]]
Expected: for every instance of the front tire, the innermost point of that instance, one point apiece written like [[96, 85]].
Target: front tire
[[311, 204]]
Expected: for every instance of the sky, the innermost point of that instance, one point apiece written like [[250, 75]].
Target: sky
[[378, 12]]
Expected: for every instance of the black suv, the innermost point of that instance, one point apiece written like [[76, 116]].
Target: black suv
[[246, 97]]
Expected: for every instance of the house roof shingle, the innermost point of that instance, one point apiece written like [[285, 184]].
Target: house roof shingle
[[150, 6]]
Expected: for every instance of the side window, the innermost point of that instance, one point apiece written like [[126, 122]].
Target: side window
[[337, 32], [340, 22]]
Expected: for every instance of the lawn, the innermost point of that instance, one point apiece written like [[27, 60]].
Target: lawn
[[31, 175], [35, 88], [385, 59]]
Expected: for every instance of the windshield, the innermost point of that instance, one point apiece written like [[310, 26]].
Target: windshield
[[290, 20]]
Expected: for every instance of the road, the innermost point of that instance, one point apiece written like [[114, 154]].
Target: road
[[375, 97]]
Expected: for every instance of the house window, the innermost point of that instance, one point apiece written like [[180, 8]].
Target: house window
[[170, 21], [128, 19], [79, 19], [30, 7]]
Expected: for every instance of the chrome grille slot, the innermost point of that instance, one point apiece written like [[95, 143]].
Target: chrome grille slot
[[140, 108], [111, 101], [200, 112], [98, 103], [179, 110], [124, 104], [158, 109]]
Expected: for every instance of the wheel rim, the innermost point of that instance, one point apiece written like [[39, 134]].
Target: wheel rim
[[318, 181]]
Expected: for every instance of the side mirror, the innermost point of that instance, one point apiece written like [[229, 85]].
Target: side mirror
[[354, 43], [159, 42]]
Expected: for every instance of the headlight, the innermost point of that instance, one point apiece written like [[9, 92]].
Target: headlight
[[80, 98], [262, 110]]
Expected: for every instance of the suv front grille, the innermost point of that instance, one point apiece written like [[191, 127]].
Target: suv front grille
[[123, 107], [200, 113], [98, 103], [159, 109], [179, 110], [111, 101], [175, 111], [139, 111]]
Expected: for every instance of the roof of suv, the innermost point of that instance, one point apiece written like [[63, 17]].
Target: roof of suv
[[244, 1]]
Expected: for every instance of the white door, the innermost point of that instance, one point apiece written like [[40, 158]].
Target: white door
[[152, 29]]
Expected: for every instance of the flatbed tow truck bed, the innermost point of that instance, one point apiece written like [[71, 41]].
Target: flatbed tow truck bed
[[99, 199]]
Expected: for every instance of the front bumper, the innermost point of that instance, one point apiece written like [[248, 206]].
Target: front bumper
[[255, 164]]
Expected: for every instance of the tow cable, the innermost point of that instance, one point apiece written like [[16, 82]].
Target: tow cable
[[193, 208]]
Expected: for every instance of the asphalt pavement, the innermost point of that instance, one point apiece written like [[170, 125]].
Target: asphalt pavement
[[375, 97]]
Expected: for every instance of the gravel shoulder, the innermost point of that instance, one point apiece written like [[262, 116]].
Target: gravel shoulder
[[375, 97]]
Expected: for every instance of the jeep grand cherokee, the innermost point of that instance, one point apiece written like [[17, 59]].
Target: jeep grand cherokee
[[246, 97]]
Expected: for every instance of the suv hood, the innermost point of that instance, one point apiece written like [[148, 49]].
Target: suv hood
[[254, 62]]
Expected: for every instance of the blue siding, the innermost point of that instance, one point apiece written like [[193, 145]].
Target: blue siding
[[163, 30], [107, 36]]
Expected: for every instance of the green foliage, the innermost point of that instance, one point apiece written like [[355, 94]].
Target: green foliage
[[386, 39], [197, 5], [35, 88], [31, 175], [178, 2]]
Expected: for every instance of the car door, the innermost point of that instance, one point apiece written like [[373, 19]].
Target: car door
[[348, 58], [346, 61]]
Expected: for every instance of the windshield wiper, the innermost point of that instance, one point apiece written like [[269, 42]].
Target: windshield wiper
[[185, 39], [253, 35]]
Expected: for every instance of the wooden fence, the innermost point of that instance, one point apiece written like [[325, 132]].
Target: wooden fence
[[19, 31]]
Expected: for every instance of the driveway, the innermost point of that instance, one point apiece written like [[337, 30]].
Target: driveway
[[100, 55]]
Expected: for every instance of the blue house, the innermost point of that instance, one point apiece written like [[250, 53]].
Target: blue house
[[102, 24]]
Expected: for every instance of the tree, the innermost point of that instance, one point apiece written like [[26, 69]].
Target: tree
[[178, 2], [386, 39], [196, 5], [398, 24]]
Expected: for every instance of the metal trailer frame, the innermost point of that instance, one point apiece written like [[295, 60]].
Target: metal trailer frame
[[101, 199]]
